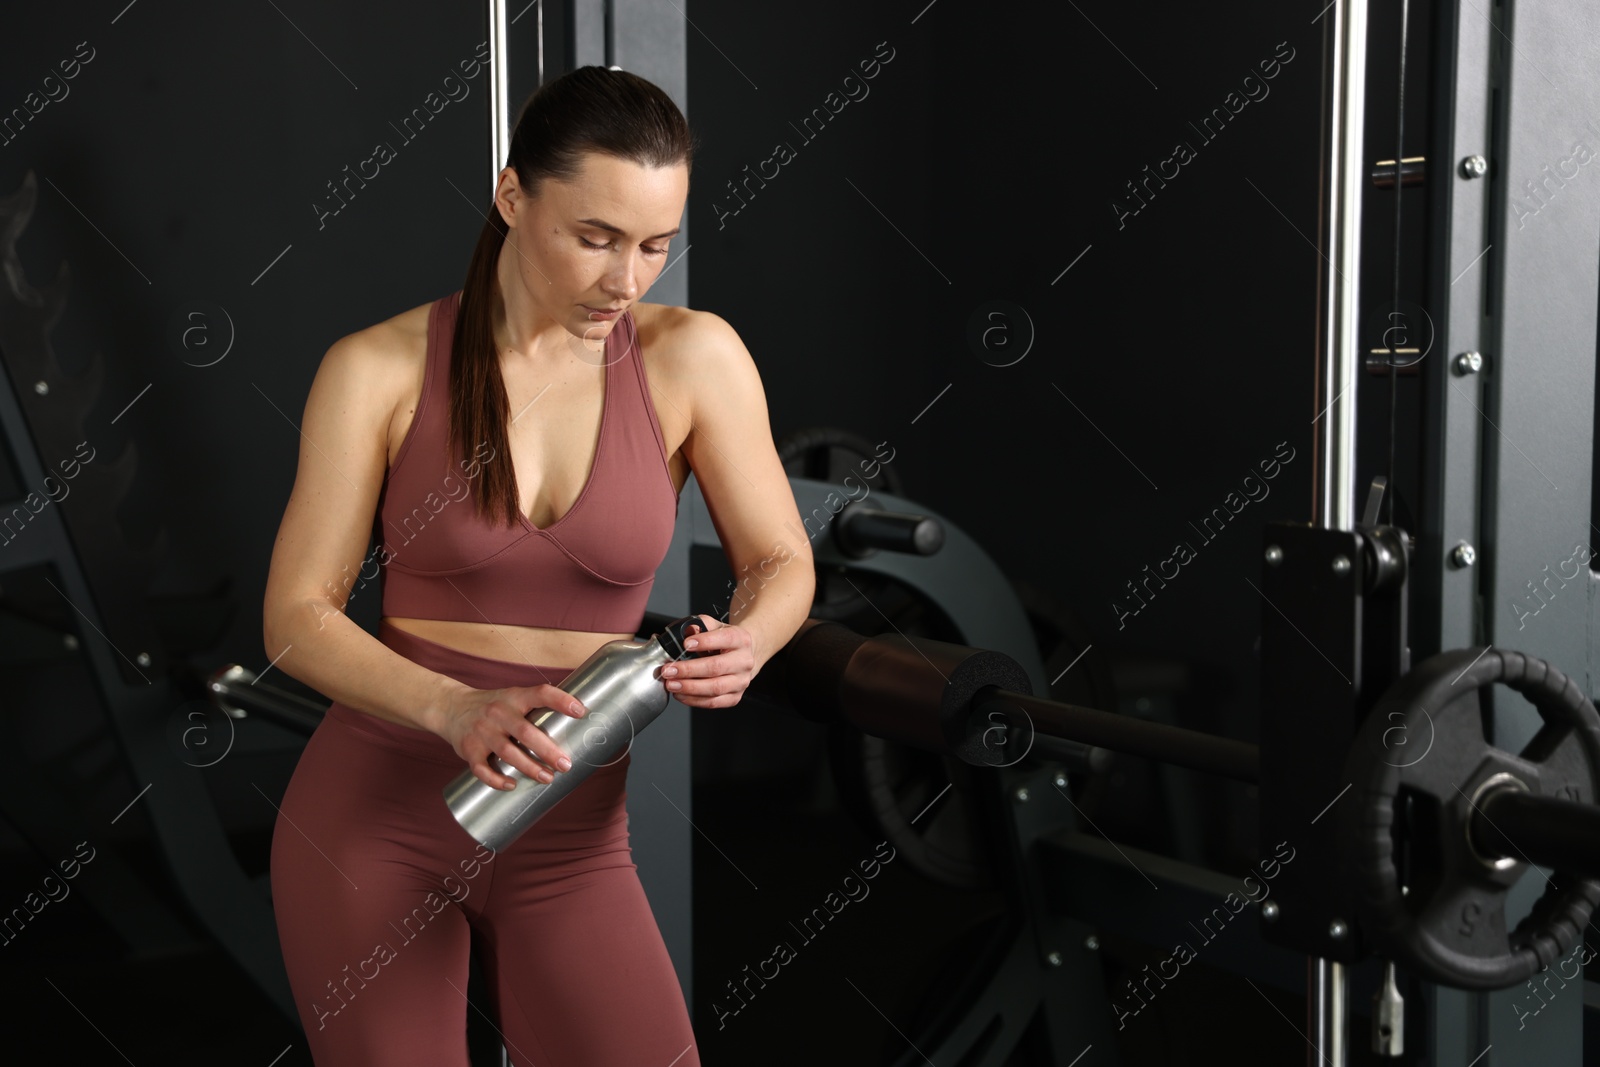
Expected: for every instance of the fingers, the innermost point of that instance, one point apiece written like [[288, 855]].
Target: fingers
[[549, 696], [527, 747], [722, 638], [702, 687], [725, 700], [509, 754], [511, 735], [484, 770], [517, 753], [701, 692], [709, 675], [712, 681]]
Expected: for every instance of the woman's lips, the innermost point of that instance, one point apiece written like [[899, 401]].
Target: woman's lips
[[602, 313]]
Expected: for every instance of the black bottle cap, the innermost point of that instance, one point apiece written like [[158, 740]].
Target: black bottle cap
[[674, 633]]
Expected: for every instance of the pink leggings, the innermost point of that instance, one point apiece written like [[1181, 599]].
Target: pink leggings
[[379, 893]]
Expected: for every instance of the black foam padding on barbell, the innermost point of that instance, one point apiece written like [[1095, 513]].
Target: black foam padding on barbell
[[810, 670], [921, 693]]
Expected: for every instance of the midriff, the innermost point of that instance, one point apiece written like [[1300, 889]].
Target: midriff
[[521, 644]]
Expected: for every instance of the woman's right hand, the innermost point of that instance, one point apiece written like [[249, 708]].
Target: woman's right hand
[[483, 721]]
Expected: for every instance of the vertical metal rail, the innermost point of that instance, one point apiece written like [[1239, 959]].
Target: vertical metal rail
[[500, 136], [1338, 268], [1325, 1012], [499, 92], [1344, 36], [610, 9]]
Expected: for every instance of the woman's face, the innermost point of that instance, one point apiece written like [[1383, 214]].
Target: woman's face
[[593, 245]]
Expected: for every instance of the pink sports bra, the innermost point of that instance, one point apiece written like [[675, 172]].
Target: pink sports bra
[[591, 570]]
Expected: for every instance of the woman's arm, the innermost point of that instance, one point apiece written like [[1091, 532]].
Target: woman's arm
[[322, 540], [730, 449]]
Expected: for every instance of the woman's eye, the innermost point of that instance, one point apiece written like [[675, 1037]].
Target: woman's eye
[[648, 250]]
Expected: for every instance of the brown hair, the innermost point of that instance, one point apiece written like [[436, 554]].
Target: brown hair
[[590, 109]]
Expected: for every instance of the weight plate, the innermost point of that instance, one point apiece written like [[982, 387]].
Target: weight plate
[[1420, 762], [919, 801]]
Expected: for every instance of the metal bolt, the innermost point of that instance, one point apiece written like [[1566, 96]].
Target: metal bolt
[[1274, 555], [1341, 565], [1022, 795], [1092, 943], [70, 641], [143, 658], [1269, 911], [1054, 959], [1061, 781], [1474, 167], [1469, 363], [1463, 555], [41, 387], [1336, 930]]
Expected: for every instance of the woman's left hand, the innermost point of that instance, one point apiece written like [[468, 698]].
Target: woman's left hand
[[713, 681]]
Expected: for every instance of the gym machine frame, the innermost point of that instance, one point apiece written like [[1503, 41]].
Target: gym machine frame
[[1337, 674]]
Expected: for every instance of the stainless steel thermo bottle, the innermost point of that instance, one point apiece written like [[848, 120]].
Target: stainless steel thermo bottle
[[620, 686]]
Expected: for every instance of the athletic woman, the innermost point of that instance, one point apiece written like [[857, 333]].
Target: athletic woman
[[515, 449]]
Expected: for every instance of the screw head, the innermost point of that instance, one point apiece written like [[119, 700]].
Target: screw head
[[1053, 958], [1341, 565], [1274, 555], [1061, 781], [1269, 910], [41, 387], [1463, 555], [1022, 795], [143, 659], [1092, 943], [1469, 363], [1336, 929], [1474, 166]]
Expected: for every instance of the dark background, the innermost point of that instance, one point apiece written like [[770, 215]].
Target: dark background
[[1170, 360]]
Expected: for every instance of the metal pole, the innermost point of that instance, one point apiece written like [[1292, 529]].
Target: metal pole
[[1339, 266], [1122, 733], [500, 138], [1338, 362], [499, 93], [1326, 982]]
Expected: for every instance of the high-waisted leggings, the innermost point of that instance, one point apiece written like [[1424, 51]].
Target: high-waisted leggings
[[379, 895]]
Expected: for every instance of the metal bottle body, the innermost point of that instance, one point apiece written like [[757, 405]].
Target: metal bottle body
[[620, 686]]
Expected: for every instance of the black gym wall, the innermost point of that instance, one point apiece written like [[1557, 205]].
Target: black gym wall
[[1172, 343]]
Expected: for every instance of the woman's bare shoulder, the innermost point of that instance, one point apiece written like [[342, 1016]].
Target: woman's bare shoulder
[[404, 336], [392, 359], [668, 332]]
